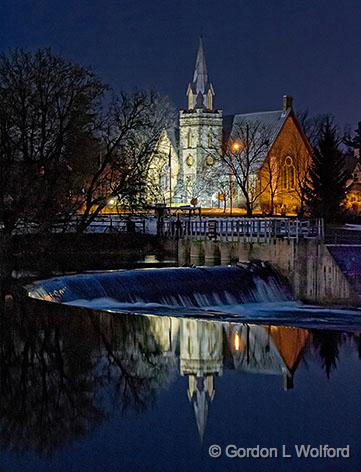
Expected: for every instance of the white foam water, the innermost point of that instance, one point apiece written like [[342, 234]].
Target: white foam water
[[251, 292]]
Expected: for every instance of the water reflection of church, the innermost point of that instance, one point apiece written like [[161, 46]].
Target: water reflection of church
[[206, 348], [63, 376]]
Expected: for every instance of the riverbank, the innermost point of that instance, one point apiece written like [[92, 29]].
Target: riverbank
[[30, 256]]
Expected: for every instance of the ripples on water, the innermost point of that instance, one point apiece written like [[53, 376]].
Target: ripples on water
[[83, 389], [253, 292]]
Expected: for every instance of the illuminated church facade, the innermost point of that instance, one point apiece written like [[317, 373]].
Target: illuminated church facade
[[189, 165]]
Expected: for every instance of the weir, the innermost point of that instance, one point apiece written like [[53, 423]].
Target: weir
[[314, 270], [315, 273], [176, 287]]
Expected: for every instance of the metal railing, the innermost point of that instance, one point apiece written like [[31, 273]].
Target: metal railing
[[221, 229], [245, 229], [101, 224]]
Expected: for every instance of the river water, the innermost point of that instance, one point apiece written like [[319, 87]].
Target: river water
[[106, 386]]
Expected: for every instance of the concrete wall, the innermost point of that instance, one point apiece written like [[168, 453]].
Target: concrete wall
[[307, 264]]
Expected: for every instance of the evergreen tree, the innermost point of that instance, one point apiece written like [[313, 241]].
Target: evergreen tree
[[327, 180], [327, 344]]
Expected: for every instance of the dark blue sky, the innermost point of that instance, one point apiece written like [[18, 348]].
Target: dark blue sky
[[256, 50]]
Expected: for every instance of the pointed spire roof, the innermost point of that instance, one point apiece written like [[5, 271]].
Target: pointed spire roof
[[200, 76], [201, 393], [200, 91]]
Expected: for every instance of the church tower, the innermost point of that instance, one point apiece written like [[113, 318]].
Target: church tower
[[200, 129]]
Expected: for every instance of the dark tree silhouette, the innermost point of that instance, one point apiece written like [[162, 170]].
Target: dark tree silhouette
[[327, 181], [66, 146], [327, 345], [62, 374], [48, 109]]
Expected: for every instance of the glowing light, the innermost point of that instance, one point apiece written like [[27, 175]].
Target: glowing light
[[111, 201], [237, 342], [236, 147]]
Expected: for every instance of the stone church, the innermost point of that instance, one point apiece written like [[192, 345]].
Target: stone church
[[192, 165]]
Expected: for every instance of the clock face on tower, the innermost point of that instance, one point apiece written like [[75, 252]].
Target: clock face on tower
[[189, 160], [210, 160]]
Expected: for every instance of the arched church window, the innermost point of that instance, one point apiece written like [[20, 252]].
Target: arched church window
[[190, 100], [288, 174], [189, 138], [189, 160], [190, 350], [164, 177], [210, 140], [209, 100], [292, 177]]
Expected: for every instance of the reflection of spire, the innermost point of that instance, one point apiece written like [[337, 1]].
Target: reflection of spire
[[201, 358], [200, 393]]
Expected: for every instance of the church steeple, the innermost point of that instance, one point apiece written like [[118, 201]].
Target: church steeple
[[200, 91], [200, 132]]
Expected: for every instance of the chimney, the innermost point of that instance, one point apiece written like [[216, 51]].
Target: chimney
[[286, 103]]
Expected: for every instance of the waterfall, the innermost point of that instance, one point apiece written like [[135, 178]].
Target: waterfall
[[175, 287]]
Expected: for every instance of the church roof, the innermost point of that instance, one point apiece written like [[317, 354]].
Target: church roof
[[290, 343], [272, 120], [200, 76], [263, 356]]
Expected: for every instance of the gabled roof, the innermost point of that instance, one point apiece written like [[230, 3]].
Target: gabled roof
[[290, 343], [272, 120]]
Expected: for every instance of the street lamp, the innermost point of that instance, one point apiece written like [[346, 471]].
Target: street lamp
[[235, 148], [170, 174]]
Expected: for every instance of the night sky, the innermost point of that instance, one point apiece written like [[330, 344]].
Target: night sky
[[256, 50]]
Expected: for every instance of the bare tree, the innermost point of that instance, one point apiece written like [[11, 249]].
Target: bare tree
[[284, 173], [164, 168], [302, 164], [47, 111], [312, 129], [311, 125], [202, 186], [270, 175], [63, 150], [127, 139], [244, 154]]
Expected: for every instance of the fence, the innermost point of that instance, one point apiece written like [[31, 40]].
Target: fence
[[246, 229], [101, 224], [221, 229]]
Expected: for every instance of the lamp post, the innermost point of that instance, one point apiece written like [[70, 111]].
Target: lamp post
[[234, 148], [170, 175]]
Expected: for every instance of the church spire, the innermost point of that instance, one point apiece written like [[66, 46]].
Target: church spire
[[200, 76], [200, 91]]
